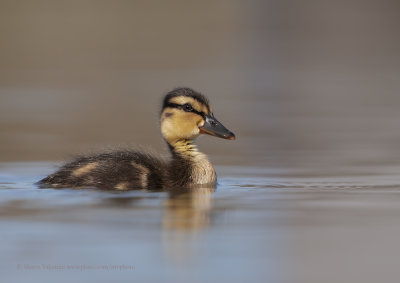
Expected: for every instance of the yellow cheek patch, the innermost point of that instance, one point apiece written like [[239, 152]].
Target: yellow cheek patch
[[178, 124], [186, 125]]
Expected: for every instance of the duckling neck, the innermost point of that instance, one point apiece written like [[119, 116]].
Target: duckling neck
[[189, 166]]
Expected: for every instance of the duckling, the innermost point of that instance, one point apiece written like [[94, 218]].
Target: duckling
[[185, 115]]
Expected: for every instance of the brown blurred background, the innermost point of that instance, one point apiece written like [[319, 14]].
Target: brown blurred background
[[297, 81]]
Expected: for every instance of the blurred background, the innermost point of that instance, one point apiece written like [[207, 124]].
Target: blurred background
[[299, 82]]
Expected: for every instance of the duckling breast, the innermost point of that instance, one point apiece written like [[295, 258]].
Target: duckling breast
[[188, 172]]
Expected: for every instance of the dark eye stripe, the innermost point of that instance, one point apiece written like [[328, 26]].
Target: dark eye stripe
[[181, 107]]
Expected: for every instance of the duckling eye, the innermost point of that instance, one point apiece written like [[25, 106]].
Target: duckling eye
[[187, 107]]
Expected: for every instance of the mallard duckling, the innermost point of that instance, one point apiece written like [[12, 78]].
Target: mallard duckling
[[185, 115]]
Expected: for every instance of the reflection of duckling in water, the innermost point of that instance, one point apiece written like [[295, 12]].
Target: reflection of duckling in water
[[185, 115], [188, 210]]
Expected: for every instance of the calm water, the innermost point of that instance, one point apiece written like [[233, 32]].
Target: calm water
[[264, 224]]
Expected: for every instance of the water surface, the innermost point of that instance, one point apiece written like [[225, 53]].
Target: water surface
[[262, 223]]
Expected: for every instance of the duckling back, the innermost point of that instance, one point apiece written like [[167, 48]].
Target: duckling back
[[118, 170]]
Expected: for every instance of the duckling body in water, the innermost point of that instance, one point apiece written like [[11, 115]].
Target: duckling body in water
[[185, 115]]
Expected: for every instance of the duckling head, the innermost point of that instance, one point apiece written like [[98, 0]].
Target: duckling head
[[186, 114]]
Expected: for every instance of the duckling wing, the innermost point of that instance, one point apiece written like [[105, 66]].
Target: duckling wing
[[118, 170]]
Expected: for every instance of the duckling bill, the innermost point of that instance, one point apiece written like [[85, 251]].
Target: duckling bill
[[185, 115]]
